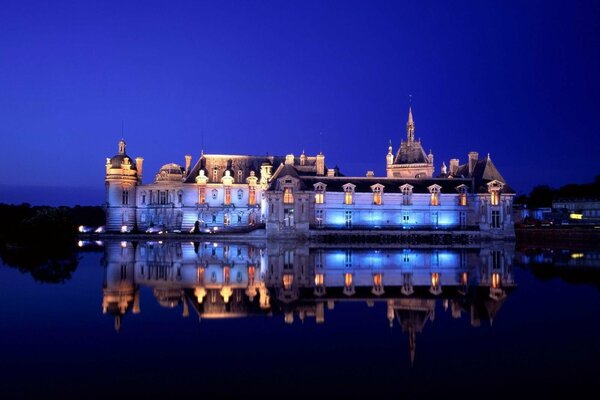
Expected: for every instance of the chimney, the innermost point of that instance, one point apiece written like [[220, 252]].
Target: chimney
[[303, 158], [472, 161], [331, 172], [370, 174], [188, 163], [320, 164], [289, 159], [454, 166], [139, 163], [444, 169]]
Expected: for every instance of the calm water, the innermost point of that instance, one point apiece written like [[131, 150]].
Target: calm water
[[205, 319]]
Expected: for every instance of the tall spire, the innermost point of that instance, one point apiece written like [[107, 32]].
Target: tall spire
[[410, 126]]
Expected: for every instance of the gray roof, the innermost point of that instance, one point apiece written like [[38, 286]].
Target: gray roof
[[118, 159], [484, 172], [411, 153]]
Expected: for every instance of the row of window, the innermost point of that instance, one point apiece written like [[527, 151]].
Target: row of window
[[378, 198]]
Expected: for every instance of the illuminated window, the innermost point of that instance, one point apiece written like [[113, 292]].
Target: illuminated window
[[215, 175], [201, 195], [462, 199], [251, 195], [348, 195], [163, 197], [227, 199], [288, 196], [347, 279], [377, 194], [319, 279], [226, 219], [435, 196], [288, 280], [377, 279], [226, 275], [496, 281], [435, 283], [319, 198], [495, 197]]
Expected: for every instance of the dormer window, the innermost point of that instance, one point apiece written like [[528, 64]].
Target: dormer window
[[201, 194], [495, 199], [288, 196], [348, 193], [377, 194], [462, 195], [319, 193], [214, 194], [240, 176], [406, 194], [240, 194], [434, 190], [494, 188], [215, 174]]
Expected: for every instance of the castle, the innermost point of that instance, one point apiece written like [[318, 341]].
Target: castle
[[300, 196]]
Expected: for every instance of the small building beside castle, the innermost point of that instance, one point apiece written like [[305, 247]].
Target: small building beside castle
[[300, 196]]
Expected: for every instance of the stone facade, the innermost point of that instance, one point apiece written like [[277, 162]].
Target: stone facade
[[300, 196]]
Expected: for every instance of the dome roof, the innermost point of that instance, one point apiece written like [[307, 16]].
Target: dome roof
[[117, 160], [170, 172], [168, 298]]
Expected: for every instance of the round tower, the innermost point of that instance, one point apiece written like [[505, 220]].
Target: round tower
[[121, 181]]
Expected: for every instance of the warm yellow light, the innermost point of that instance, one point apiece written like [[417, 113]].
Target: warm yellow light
[[123, 244], [495, 200], [348, 198], [464, 279], [377, 198], [226, 275], [462, 200], [288, 280], [435, 279], [435, 200], [251, 196], [319, 279], [348, 279], [319, 198], [577, 255], [377, 279], [288, 196], [496, 280], [576, 216]]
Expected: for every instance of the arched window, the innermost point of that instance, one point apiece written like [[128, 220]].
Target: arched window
[[215, 174], [377, 194], [201, 195], [434, 190], [406, 194], [348, 193]]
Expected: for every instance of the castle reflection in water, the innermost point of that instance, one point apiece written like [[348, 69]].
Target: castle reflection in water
[[226, 280]]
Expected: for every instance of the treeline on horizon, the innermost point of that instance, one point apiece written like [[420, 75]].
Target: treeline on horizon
[[40, 240], [543, 195], [24, 223]]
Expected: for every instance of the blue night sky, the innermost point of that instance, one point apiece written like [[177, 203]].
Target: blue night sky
[[516, 79]]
